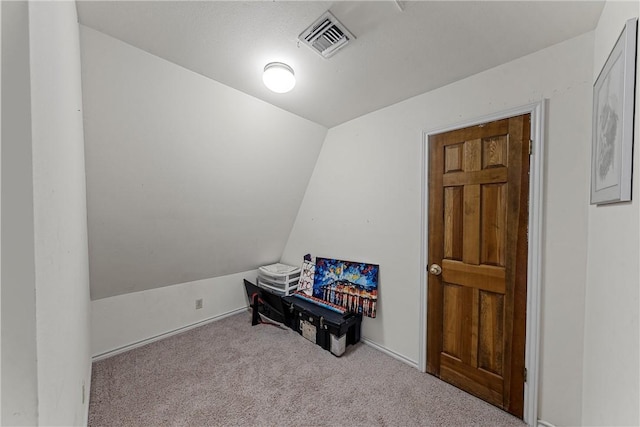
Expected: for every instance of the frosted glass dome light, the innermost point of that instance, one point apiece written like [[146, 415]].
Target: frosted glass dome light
[[278, 77]]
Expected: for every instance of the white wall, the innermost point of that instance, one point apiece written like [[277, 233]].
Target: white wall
[[125, 321], [0, 207], [187, 179], [611, 349], [19, 369], [60, 215], [45, 328], [363, 203]]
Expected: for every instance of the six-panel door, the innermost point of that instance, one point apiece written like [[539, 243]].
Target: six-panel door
[[478, 214]]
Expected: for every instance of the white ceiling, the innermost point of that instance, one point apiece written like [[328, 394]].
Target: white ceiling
[[397, 53]]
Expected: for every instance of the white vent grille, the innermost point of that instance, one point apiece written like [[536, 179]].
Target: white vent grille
[[326, 36]]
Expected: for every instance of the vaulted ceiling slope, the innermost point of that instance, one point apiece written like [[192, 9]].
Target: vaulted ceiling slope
[[187, 178], [401, 49]]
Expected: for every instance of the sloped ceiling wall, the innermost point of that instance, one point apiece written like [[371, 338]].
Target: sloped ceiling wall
[[186, 178]]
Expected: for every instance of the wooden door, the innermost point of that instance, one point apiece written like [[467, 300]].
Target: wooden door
[[478, 216]]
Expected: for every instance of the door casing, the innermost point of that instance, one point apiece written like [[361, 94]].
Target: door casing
[[534, 262]]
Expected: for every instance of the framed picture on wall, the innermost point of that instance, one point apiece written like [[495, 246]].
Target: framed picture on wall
[[613, 105]]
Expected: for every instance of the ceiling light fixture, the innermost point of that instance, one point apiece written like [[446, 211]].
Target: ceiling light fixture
[[278, 77]]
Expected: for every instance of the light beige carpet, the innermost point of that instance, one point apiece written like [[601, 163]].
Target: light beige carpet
[[228, 373]]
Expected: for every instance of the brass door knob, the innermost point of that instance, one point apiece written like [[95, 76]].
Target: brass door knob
[[435, 269]]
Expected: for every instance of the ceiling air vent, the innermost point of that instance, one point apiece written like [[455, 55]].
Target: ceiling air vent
[[326, 36]]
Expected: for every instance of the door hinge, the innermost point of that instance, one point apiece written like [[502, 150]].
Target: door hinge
[[525, 375], [530, 147]]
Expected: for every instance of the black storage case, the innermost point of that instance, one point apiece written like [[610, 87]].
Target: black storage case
[[327, 322]]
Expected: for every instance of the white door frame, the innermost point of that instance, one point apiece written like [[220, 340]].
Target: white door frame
[[534, 262]]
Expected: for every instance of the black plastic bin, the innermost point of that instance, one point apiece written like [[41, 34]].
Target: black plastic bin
[[329, 329]]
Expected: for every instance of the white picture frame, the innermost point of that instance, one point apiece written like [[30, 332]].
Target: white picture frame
[[613, 115]]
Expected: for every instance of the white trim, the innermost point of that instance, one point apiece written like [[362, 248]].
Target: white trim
[[1, 206], [534, 262], [542, 423], [534, 268], [424, 253], [391, 353], [167, 334]]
